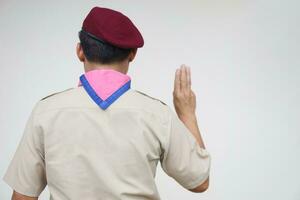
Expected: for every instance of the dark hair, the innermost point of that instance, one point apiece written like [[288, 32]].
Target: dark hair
[[101, 52]]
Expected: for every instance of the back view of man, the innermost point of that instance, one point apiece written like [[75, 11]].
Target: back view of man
[[102, 139]]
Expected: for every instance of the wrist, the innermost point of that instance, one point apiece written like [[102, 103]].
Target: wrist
[[188, 117]]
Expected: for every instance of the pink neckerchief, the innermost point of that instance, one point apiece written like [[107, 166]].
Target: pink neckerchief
[[105, 81]]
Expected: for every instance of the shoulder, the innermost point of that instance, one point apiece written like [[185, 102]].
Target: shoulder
[[152, 105], [58, 100], [155, 107], [55, 93], [151, 98]]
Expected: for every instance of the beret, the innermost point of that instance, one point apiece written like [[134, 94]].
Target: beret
[[112, 27]]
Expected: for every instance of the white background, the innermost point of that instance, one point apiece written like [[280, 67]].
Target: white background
[[244, 57]]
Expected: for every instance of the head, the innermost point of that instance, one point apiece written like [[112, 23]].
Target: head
[[96, 54]]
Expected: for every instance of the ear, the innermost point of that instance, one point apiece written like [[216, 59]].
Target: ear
[[79, 52], [132, 54]]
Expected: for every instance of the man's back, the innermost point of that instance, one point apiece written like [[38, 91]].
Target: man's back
[[109, 154]]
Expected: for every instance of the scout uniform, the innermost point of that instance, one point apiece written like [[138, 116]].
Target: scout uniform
[[103, 140]]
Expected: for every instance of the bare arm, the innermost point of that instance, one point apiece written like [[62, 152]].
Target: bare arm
[[18, 196], [184, 100]]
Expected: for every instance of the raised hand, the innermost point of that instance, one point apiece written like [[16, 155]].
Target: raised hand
[[184, 99]]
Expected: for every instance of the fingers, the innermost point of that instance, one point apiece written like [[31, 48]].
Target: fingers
[[177, 81], [182, 80]]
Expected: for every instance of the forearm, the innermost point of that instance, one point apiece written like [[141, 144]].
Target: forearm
[[191, 123]]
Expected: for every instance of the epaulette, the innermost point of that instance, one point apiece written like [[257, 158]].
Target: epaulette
[[150, 97], [55, 94]]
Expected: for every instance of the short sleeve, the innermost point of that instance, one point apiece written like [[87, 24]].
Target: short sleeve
[[182, 158], [26, 172]]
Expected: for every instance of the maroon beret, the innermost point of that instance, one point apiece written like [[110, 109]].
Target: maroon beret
[[112, 27]]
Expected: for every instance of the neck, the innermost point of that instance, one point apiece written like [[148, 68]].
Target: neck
[[119, 66]]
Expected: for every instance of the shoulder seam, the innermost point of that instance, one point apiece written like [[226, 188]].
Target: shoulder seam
[[55, 94], [150, 96]]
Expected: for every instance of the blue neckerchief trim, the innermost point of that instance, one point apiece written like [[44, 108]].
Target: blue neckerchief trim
[[100, 102]]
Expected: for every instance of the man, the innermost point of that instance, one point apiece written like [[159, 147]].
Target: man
[[102, 139]]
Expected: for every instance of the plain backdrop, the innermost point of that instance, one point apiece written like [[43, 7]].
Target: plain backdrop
[[244, 58]]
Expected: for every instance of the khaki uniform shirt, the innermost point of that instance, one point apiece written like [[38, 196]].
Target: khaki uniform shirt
[[83, 152]]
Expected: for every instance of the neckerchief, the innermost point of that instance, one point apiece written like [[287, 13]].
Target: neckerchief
[[104, 86]]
